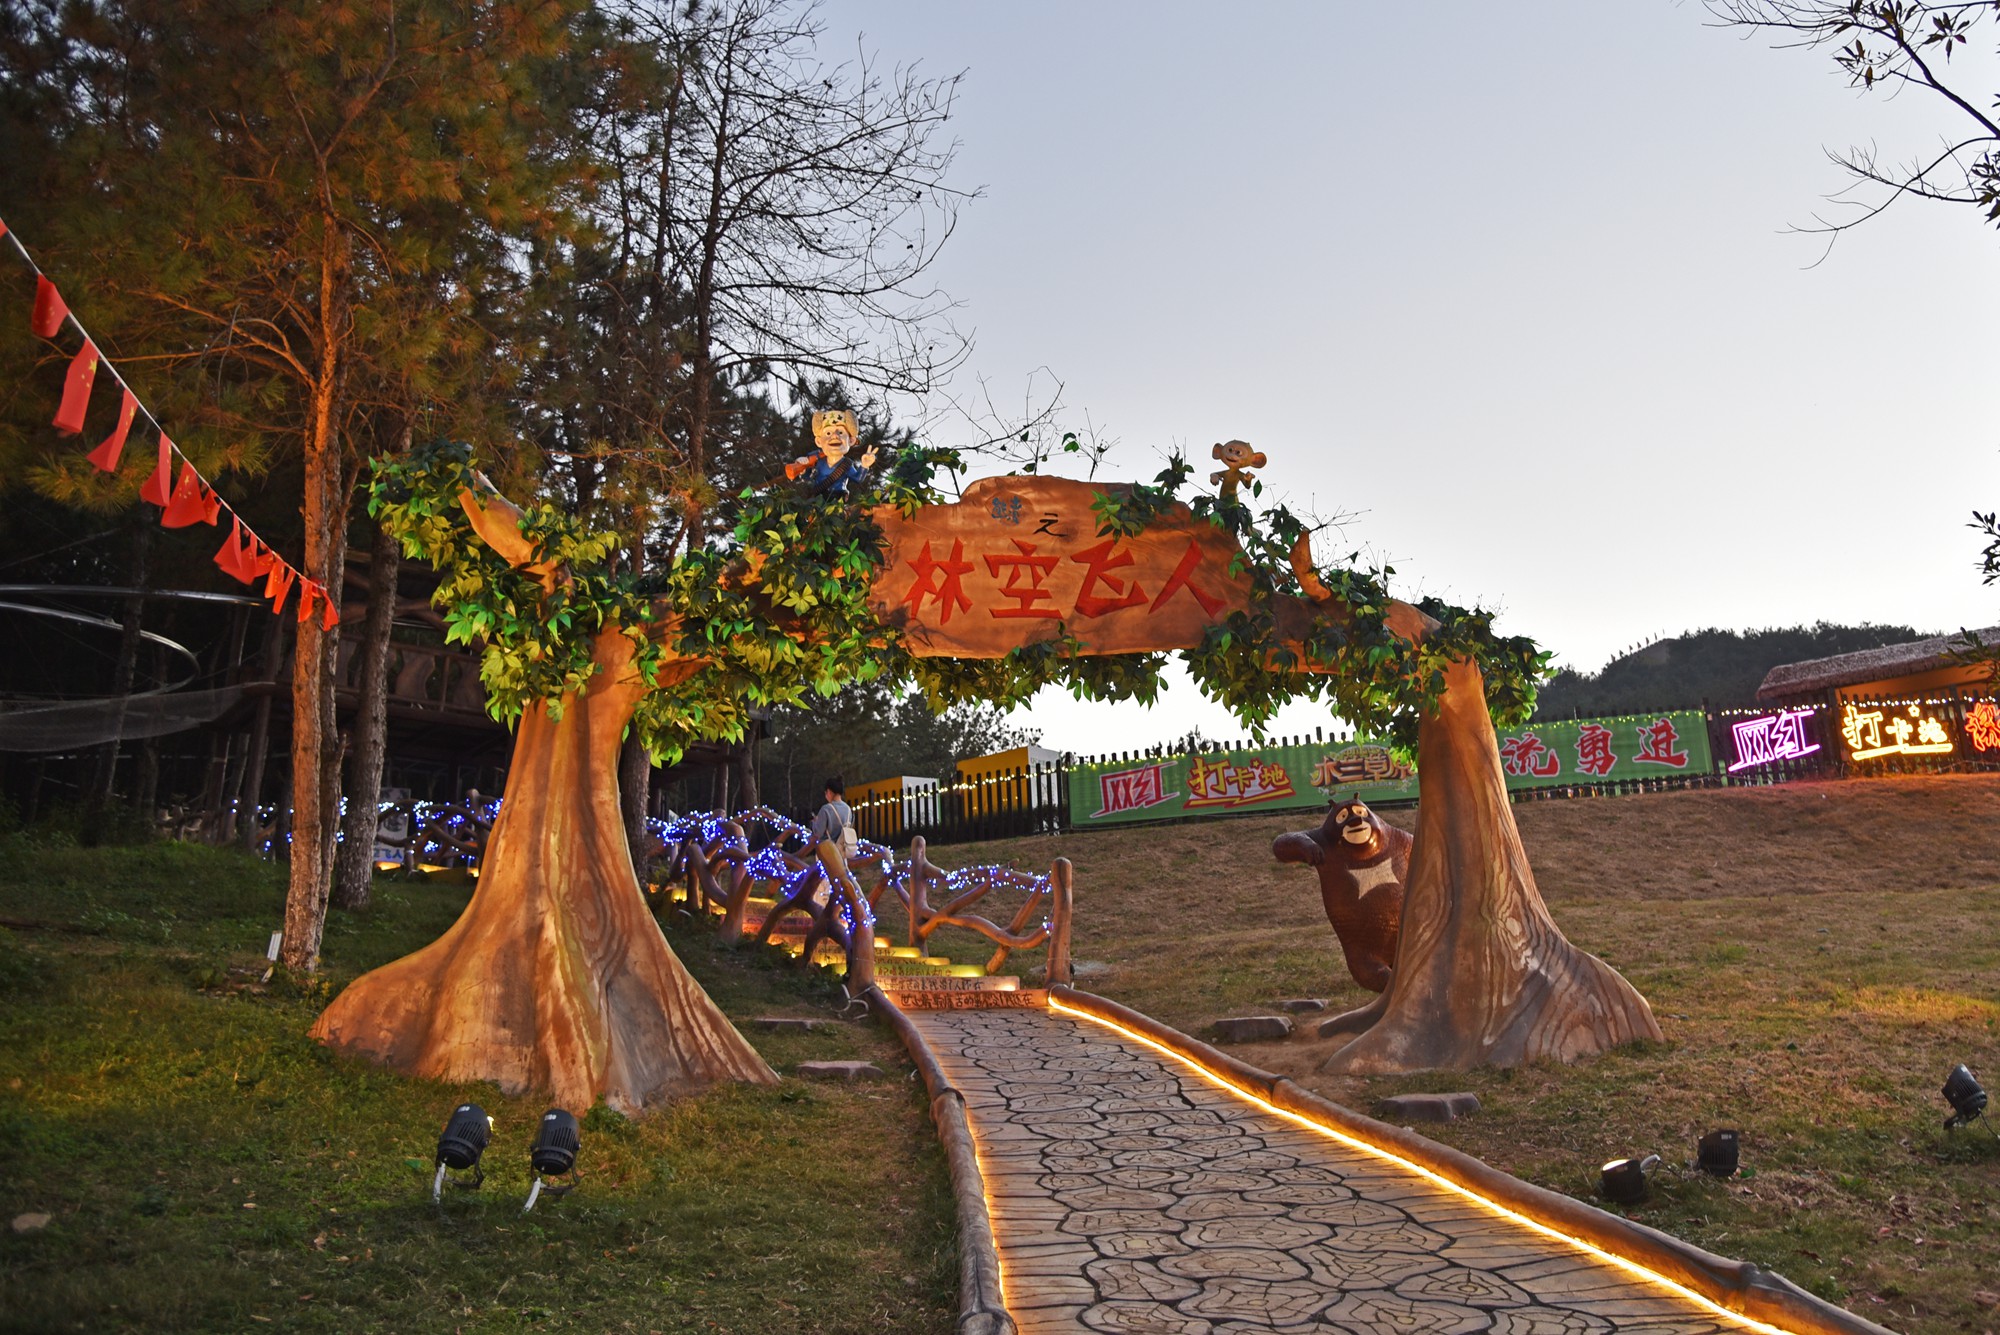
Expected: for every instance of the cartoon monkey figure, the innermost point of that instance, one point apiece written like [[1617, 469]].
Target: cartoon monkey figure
[[836, 432], [1363, 865], [1236, 457]]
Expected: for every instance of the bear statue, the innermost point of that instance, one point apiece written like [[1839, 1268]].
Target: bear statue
[[1362, 866]]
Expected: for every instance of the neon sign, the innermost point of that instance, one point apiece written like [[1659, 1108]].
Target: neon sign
[[1872, 733], [1775, 737], [1982, 726]]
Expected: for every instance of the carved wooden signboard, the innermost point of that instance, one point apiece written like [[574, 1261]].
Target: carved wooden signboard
[[1018, 560]]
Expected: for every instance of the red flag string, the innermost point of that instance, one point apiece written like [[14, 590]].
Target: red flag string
[[50, 309], [76, 390], [278, 584], [187, 505], [105, 456], [191, 500], [157, 488]]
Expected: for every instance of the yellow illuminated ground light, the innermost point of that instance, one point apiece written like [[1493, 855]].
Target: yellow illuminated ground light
[[1639, 1271]]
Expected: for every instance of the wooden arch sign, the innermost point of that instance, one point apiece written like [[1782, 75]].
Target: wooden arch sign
[[1483, 975]]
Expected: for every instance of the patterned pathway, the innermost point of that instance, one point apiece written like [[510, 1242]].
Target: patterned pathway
[[1130, 1195]]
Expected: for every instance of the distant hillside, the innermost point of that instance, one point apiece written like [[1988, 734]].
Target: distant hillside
[[1720, 666]]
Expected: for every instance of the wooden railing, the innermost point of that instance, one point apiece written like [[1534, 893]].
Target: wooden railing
[[716, 867], [434, 832], [915, 880]]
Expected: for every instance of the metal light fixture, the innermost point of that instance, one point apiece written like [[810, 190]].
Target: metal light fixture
[[1623, 1181], [1967, 1100], [553, 1155], [1717, 1153], [463, 1140]]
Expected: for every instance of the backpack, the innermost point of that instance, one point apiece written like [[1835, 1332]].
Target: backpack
[[850, 841]]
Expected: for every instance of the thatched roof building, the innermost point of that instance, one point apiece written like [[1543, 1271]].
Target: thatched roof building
[[1890, 671]]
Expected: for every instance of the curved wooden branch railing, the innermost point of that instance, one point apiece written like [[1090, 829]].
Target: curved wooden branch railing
[[914, 881], [716, 868], [436, 831]]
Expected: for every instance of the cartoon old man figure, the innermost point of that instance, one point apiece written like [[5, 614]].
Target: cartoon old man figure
[[834, 467]]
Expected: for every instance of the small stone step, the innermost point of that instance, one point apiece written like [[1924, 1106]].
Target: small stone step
[[1427, 1107], [785, 1024], [1301, 1005], [839, 1070], [1253, 1028], [922, 982]]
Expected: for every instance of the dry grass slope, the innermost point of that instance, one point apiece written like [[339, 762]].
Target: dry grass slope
[[1819, 956]]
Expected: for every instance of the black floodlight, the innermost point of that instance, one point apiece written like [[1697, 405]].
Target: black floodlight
[[463, 1140], [1623, 1181], [1967, 1099], [553, 1154], [1717, 1153]]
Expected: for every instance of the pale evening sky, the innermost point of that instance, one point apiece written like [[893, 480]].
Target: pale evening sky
[[1511, 285]]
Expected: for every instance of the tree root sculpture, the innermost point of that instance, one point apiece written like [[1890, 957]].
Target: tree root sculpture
[[555, 977], [1483, 975]]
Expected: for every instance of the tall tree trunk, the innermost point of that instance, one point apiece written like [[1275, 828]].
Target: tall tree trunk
[[1483, 975], [556, 977], [354, 866], [250, 827], [635, 777], [748, 792], [315, 755], [104, 774]]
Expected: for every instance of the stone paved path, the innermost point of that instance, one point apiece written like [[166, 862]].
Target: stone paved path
[[1128, 1194]]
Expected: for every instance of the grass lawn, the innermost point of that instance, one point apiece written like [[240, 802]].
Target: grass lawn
[[1819, 956], [209, 1169]]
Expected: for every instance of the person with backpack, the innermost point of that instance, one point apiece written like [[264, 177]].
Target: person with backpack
[[835, 821]]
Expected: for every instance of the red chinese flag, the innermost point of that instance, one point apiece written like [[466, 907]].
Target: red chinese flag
[[278, 584], [158, 488], [185, 506], [256, 558], [3, 227], [307, 592], [50, 309], [234, 556], [76, 390], [106, 456], [332, 617], [211, 505]]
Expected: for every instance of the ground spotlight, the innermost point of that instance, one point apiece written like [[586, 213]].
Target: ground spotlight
[[1967, 1099], [553, 1154], [460, 1145], [1623, 1181], [1717, 1152]]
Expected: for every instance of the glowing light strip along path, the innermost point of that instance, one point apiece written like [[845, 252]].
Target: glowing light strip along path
[[1131, 1190]]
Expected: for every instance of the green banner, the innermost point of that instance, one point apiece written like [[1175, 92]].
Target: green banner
[[1272, 778], [1290, 778], [1606, 750]]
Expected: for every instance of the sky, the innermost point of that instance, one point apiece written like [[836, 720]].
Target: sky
[[1514, 288]]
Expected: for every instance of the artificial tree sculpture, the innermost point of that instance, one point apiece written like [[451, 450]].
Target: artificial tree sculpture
[[557, 977], [1483, 976]]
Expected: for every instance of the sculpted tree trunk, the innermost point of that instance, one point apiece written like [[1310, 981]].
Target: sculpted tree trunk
[[1483, 975], [354, 864], [555, 977]]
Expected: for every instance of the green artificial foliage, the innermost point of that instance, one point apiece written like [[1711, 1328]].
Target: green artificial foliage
[[778, 614]]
